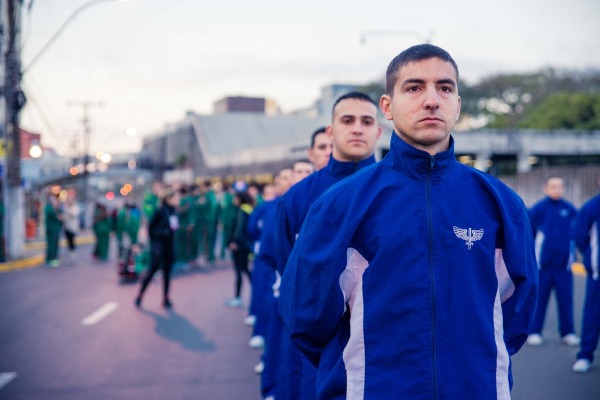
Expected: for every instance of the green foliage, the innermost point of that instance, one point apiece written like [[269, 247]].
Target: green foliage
[[507, 99], [564, 110]]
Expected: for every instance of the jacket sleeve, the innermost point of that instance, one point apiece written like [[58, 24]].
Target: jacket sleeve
[[517, 258], [311, 302], [581, 231], [284, 233], [583, 224]]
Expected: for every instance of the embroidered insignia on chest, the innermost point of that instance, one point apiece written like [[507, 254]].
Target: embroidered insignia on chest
[[468, 235]]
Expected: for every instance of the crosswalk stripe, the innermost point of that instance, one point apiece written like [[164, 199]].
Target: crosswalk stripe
[[101, 313], [6, 377]]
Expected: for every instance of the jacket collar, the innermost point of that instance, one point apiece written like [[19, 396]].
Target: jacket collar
[[342, 169], [418, 163]]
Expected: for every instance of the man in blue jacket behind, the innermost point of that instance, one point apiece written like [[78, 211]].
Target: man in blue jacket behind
[[414, 278], [354, 131], [552, 226], [587, 239]]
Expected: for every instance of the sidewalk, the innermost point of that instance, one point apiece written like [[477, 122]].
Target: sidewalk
[[35, 252]]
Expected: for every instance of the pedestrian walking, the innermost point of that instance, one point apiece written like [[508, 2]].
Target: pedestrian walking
[[552, 221], [161, 231], [414, 278]]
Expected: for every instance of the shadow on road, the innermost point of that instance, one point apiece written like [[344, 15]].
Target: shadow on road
[[178, 329]]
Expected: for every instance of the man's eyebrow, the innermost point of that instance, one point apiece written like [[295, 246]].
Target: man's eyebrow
[[412, 80], [357, 116], [445, 81]]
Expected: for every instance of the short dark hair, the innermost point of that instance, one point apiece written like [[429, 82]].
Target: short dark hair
[[353, 95], [244, 198], [315, 134], [413, 54]]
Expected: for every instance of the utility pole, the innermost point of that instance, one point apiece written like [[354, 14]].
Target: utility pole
[[85, 105], [14, 101]]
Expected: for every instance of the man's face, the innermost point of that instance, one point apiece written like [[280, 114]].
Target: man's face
[[425, 104], [301, 170], [354, 130], [269, 193], [283, 180], [554, 188], [321, 151]]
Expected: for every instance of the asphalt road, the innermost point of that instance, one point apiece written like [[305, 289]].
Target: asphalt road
[[73, 333], [52, 337]]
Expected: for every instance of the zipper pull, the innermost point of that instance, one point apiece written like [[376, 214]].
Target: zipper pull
[[431, 162]]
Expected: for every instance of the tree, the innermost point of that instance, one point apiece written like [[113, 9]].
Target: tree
[[506, 99], [564, 110]]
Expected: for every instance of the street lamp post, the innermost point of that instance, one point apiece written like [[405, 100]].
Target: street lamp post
[[15, 100]]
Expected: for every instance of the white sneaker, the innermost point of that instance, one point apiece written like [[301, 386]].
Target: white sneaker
[[236, 302], [571, 340], [581, 366], [250, 320], [535, 339], [259, 368], [257, 342]]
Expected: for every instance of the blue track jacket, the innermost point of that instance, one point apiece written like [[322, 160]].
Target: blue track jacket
[[294, 205], [413, 279], [552, 226], [296, 377], [587, 235]]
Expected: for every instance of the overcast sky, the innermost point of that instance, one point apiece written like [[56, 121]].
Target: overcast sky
[[149, 61]]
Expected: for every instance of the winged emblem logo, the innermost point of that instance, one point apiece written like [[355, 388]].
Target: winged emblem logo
[[468, 235]]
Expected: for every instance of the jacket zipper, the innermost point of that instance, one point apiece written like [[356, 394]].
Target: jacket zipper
[[432, 276]]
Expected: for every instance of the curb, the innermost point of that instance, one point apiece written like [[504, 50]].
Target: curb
[[36, 260]]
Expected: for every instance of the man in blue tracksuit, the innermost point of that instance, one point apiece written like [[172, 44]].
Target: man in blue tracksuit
[[552, 226], [416, 277], [354, 131], [587, 239]]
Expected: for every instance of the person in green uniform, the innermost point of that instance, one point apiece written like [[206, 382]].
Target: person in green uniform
[[101, 226], [119, 228], [127, 225], [152, 200], [201, 207], [227, 217], [211, 219], [53, 221], [193, 227], [182, 234]]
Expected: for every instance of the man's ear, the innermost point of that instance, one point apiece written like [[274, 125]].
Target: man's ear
[[385, 104], [329, 130]]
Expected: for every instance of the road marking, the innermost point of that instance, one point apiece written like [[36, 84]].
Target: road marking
[[101, 313], [6, 377]]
